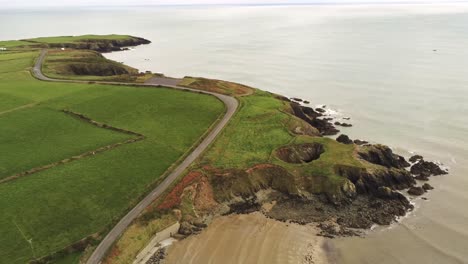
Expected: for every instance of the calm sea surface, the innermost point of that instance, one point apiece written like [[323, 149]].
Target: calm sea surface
[[399, 71]]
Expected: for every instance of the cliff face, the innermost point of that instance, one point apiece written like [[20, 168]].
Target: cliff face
[[103, 45]]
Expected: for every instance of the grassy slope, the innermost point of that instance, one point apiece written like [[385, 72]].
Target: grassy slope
[[57, 65], [252, 134], [259, 128], [71, 39], [59, 206], [33, 42], [39, 136]]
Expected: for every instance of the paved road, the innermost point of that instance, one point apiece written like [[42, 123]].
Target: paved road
[[231, 107]]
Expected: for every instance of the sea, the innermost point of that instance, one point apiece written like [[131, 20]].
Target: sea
[[398, 71]]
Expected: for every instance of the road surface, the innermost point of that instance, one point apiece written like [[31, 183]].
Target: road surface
[[231, 107]]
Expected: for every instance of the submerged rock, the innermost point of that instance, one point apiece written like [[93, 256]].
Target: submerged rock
[[342, 124], [427, 187], [416, 191]]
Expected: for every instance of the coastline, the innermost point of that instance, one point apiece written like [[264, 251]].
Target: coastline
[[327, 253]]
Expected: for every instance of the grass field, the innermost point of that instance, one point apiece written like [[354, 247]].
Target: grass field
[[252, 135], [81, 38], [49, 210], [26, 137]]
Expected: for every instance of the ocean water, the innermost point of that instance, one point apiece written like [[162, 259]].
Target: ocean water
[[400, 72]]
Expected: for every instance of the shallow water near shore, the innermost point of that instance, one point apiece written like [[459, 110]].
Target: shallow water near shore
[[399, 72]]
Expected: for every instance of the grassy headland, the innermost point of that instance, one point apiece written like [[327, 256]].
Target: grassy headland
[[274, 152]]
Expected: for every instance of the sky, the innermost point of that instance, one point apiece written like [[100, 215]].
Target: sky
[[60, 3]]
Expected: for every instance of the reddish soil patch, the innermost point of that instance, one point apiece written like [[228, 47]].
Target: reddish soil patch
[[174, 197], [204, 198]]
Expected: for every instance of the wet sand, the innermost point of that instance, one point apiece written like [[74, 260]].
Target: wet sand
[[251, 238]]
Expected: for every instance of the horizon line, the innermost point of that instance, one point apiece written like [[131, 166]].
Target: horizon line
[[336, 3]]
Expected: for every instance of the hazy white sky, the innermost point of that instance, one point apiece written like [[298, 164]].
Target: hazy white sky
[[58, 3]]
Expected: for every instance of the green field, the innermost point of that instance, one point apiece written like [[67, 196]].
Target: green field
[[71, 39], [38, 136], [59, 206]]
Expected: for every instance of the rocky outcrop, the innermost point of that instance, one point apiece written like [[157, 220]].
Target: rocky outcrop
[[342, 124], [416, 191], [344, 139], [427, 187], [423, 169], [158, 257], [382, 155], [360, 142], [188, 228], [300, 153], [362, 212], [369, 182], [415, 158], [311, 116]]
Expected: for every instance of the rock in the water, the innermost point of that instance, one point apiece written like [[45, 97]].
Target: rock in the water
[[426, 169], [343, 124], [416, 191], [360, 142], [320, 110], [306, 102], [415, 158], [427, 187], [297, 99], [344, 139]]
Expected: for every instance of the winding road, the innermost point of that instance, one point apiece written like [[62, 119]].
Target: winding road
[[231, 107]]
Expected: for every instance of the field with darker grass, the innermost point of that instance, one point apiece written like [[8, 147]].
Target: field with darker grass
[[50, 210], [88, 65]]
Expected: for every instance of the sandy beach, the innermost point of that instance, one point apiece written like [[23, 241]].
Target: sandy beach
[[251, 238]]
